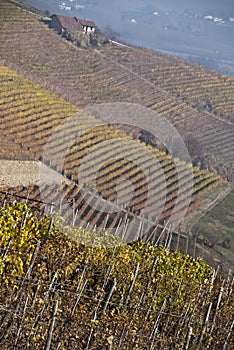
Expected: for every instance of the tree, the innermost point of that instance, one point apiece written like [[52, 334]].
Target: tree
[[47, 13], [109, 33]]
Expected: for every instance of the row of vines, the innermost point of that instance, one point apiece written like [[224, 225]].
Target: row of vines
[[195, 100], [30, 115], [204, 102], [87, 210], [58, 293]]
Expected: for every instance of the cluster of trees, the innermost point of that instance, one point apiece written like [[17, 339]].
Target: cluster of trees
[[97, 39]]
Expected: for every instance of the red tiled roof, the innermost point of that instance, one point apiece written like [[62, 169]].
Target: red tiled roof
[[74, 23], [87, 23], [69, 22]]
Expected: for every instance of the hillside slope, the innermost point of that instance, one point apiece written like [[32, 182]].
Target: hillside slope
[[64, 294], [197, 101], [121, 171]]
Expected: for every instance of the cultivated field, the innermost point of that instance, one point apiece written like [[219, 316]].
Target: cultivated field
[[30, 115], [197, 101], [91, 253], [57, 293]]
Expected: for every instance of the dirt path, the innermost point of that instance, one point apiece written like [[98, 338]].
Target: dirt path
[[16, 172]]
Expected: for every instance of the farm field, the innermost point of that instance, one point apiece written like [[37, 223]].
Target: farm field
[[30, 115], [194, 84], [111, 237], [197, 101], [209, 93]]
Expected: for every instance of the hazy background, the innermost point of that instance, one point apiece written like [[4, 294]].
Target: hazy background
[[175, 26]]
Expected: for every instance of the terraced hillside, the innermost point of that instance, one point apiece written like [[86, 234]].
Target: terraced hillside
[[22, 103], [197, 101], [159, 184], [209, 93], [11, 150], [197, 86]]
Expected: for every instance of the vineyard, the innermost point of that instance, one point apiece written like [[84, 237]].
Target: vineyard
[[209, 93], [94, 250], [196, 101], [61, 294], [95, 155], [68, 201], [194, 84]]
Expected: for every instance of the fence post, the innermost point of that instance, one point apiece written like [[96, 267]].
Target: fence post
[[204, 325], [188, 337], [51, 329]]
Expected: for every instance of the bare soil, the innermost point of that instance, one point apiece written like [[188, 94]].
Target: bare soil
[[16, 172]]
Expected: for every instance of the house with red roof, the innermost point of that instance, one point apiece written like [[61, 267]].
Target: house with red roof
[[62, 23]]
